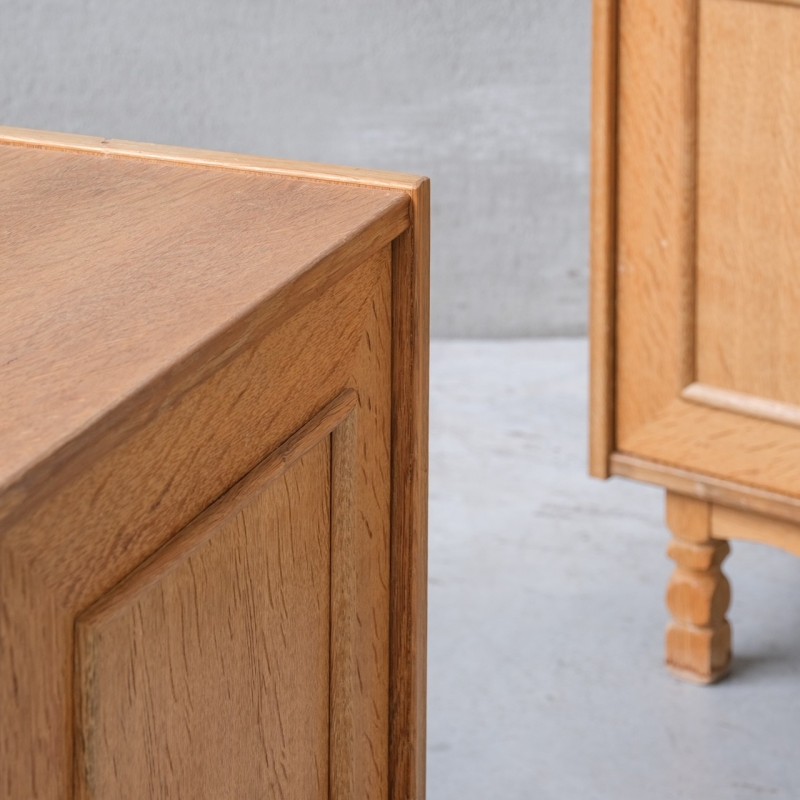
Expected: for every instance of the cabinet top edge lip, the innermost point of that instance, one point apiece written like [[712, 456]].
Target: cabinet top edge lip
[[103, 390], [187, 156]]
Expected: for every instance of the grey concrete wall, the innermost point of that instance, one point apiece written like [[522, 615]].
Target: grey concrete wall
[[489, 98]]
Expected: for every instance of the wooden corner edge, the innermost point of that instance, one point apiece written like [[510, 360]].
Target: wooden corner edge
[[409, 534], [603, 236], [355, 176]]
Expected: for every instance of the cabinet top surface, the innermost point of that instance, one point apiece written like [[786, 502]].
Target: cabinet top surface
[[117, 268]]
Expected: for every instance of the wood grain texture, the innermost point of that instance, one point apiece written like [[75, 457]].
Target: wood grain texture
[[656, 193], [666, 244], [699, 636], [410, 368], [655, 208], [344, 722], [603, 235], [60, 563], [749, 405], [703, 487], [705, 291], [748, 284], [752, 452], [795, 3], [207, 674], [732, 523], [187, 427], [165, 284], [306, 171]]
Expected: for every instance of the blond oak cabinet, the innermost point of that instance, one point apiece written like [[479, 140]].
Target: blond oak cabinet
[[213, 471], [696, 285]]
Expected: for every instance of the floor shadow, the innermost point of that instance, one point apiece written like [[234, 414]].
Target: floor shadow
[[766, 666]]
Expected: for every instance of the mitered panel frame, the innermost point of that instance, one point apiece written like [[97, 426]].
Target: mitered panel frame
[[655, 423]]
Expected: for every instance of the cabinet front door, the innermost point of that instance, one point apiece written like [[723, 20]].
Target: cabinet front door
[[708, 238]]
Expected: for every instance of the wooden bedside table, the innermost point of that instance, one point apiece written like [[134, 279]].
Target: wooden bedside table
[[213, 475], [696, 285]]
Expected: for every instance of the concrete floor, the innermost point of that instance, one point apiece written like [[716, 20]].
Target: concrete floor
[[547, 615]]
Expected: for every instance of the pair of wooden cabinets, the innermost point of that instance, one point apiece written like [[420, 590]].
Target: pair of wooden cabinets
[[212, 475], [696, 284], [213, 432]]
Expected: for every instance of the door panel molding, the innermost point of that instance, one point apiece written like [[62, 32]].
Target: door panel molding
[[176, 630], [749, 405], [665, 413]]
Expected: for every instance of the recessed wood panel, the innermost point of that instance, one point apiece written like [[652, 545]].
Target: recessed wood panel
[[207, 674], [748, 194], [684, 68]]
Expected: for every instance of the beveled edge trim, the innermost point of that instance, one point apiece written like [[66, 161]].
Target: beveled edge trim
[[745, 526], [706, 487], [689, 268], [339, 413], [197, 532], [409, 511], [603, 236], [24, 137], [344, 733], [748, 405], [775, 2], [43, 476]]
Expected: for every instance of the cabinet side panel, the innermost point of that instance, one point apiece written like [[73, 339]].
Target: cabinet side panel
[[113, 513], [209, 676]]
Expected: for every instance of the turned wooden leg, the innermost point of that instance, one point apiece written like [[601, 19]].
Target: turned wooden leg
[[699, 636]]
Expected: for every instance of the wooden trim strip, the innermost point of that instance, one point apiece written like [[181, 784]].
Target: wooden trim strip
[[409, 537], [24, 137], [345, 731], [337, 421], [731, 523], [197, 532], [688, 306], [794, 3], [749, 405], [704, 487], [603, 235]]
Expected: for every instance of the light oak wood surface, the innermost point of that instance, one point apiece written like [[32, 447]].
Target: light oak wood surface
[[168, 256], [222, 653], [679, 292], [699, 636], [603, 236], [735, 524], [696, 299], [215, 364], [748, 283]]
